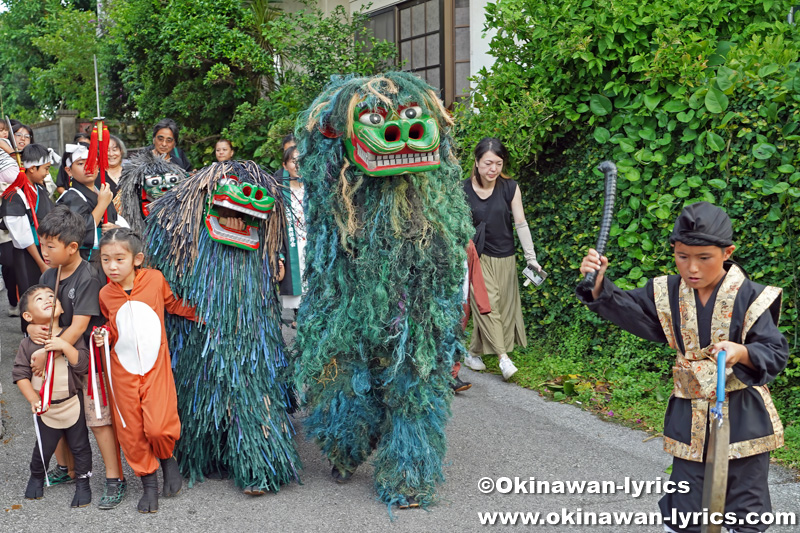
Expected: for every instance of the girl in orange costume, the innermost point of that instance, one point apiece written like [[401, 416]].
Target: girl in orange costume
[[143, 389]]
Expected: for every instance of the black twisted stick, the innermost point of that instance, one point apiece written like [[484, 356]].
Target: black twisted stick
[[609, 170]]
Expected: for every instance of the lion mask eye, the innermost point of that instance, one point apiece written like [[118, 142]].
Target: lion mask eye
[[411, 112], [372, 119], [171, 179], [153, 181]]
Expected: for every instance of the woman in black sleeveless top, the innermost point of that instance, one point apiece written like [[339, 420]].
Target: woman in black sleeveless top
[[494, 200]]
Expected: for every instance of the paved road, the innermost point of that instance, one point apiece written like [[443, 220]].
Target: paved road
[[497, 430]]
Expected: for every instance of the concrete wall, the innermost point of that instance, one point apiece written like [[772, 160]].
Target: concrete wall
[[46, 134], [56, 133]]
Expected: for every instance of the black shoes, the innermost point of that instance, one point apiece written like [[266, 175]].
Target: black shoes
[[149, 501], [83, 493], [460, 386], [172, 477], [35, 489]]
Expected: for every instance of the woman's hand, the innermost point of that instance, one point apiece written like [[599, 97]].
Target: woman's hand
[[281, 271], [234, 223]]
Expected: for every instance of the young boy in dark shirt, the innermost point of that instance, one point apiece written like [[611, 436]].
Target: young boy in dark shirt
[[61, 232], [63, 417], [710, 307], [89, 202], [25, 203]]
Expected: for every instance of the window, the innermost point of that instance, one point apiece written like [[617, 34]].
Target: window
[[420, 40], [433, 41]]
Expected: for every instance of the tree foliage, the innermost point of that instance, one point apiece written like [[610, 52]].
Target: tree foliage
[[191, 60], [693, 100], [46, 57]]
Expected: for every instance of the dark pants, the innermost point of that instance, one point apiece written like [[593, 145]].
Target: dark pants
[[26, 269], [747, 491], [9, 276], [77, 437]]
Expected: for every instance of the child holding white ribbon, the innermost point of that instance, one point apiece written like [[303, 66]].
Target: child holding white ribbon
[[60, 413]]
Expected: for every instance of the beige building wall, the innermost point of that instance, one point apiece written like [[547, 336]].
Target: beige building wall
[[479, 45]]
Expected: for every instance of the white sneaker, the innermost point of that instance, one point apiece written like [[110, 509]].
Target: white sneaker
[[13, 311], [507, 368], [474, 362]]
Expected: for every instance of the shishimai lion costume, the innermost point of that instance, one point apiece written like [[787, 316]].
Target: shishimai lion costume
[[145, 179], [231, 367], [378, 328]]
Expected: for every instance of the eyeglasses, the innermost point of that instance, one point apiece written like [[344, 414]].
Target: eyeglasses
[[294, 161], [22, 135], [165, 139]]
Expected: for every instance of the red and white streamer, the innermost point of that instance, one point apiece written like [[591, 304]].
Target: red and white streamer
[[46, 392]]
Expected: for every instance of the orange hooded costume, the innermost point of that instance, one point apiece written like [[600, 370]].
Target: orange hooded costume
[[146, 413]]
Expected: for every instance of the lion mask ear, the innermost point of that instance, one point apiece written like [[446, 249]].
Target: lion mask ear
[[327, 129]]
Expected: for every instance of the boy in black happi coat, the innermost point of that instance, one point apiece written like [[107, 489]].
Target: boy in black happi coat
[[710, 307]]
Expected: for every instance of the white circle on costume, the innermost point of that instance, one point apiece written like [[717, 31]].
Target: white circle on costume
[[139, 337]]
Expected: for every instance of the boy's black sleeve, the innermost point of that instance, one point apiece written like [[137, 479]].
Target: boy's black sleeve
[[768, 351], [81, 208], [634, 310], [87, 294], [14, 207]]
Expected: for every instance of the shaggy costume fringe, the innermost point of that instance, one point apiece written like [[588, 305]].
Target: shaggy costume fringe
[[378, 329], [129, 197], [230, 368]]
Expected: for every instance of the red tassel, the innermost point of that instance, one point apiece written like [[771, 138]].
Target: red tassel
[[91, 161], [18, 183], [104, 153], [27, 189]]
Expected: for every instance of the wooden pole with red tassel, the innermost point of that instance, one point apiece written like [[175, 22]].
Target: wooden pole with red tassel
[[98, 155], [98, 146]]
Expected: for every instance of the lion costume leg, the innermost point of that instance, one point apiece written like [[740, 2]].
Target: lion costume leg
[[344, 415], [410, 453]]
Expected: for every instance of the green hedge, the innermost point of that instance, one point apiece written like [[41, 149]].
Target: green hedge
[[693, 100]]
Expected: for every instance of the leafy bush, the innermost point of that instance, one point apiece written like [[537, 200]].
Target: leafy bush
[[693, 100]]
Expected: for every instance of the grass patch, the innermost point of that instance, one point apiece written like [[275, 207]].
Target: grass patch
[[591, 386]]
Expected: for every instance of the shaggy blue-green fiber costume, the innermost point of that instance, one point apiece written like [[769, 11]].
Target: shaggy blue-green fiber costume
[[230, 367], [378, 329]]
